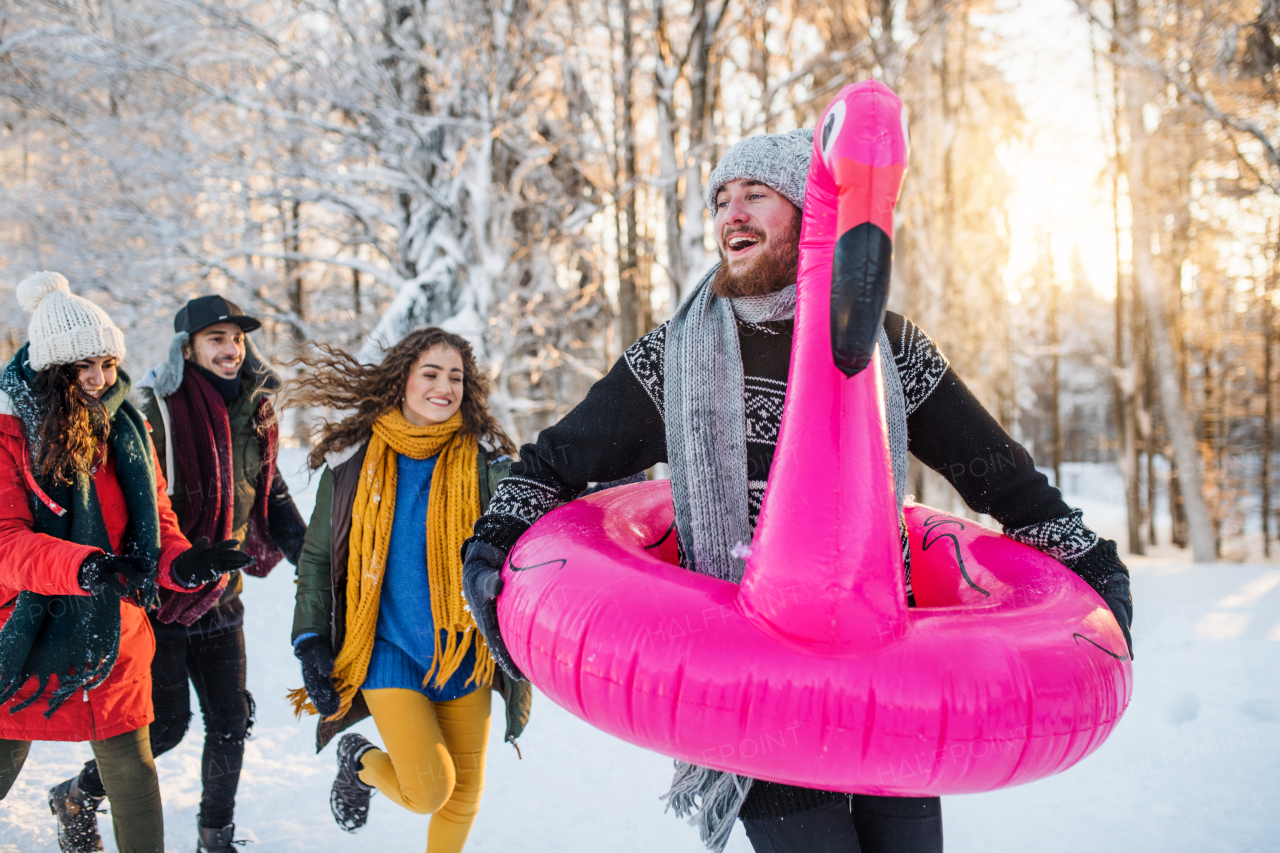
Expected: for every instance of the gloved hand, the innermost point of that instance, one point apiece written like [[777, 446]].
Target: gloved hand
[[1102, 569], [317, 666], [203, 563], [121, 576], [481, 584], [284, 523], [1115, 592]]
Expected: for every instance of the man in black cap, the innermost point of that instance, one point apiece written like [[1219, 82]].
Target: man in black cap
[[217, 333], [216, 438]]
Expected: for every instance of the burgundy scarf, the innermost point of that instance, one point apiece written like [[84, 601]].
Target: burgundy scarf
[[200, 436]]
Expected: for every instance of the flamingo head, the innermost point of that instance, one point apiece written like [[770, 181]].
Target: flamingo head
[[861, 147]]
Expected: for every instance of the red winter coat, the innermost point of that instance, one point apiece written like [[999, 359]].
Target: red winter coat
[[41, 563]]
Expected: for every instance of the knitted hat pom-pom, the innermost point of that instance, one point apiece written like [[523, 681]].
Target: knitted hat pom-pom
[[34, 288]]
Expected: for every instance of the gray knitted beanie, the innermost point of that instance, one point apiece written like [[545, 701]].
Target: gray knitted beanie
[[780, 161]]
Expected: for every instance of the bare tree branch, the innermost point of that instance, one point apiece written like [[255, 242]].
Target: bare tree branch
[[1136, 58]]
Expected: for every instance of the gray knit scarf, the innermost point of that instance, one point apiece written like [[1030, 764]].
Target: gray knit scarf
[[707, 454]]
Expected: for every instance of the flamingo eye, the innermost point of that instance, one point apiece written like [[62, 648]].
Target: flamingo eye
[[831, 129]]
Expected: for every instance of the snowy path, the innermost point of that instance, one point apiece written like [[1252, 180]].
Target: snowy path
[[1194, 765]]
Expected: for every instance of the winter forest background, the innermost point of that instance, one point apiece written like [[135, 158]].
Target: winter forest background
[[1089, 226]]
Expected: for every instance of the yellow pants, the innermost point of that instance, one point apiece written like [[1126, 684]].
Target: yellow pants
[[434, 759]]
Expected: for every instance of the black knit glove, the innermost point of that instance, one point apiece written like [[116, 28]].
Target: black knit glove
[[1115, 592], [1102, 569], [481, 584], [317, 666], [121, 576], [203, 563], [284, 522]]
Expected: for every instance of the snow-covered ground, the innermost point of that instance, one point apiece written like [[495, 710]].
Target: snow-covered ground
[[1194, 765]]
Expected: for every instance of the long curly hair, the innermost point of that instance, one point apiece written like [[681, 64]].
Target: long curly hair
[[73, 432], [336, 380]]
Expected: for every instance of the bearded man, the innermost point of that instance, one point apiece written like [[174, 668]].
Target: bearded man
[[733, 334]]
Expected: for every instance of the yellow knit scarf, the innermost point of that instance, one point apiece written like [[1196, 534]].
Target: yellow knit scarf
[[452, 509]]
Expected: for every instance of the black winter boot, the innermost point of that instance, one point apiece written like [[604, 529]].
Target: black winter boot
[[349, 799], [215, 840], [77, 814]]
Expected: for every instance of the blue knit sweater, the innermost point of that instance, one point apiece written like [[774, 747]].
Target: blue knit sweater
[[404, 647]]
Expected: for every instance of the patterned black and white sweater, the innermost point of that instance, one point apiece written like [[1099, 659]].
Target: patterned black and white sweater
[[619, 430]]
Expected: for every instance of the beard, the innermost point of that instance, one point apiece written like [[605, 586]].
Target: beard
[[773, 270]]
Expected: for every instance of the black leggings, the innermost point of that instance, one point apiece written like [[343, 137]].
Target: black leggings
[[210, 654], [862, 824]]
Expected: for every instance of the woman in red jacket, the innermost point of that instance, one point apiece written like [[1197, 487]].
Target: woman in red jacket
[[86, 533]]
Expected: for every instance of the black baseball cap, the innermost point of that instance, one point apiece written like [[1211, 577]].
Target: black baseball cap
[[205, 311]]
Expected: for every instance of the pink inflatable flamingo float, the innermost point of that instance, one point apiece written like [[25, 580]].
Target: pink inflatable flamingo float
[[814, 671]]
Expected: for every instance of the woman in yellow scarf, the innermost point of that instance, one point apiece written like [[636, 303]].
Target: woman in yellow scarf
[[380, 623]]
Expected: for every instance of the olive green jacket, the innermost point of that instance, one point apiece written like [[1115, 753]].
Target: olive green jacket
[[316, 611]]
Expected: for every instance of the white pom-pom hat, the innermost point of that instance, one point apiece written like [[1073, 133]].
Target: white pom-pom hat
[[65, 328]]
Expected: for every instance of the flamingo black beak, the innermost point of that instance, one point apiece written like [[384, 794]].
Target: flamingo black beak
[[859, 294]]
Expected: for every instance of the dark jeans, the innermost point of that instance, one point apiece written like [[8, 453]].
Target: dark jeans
[[210, 654], [863, 824]]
